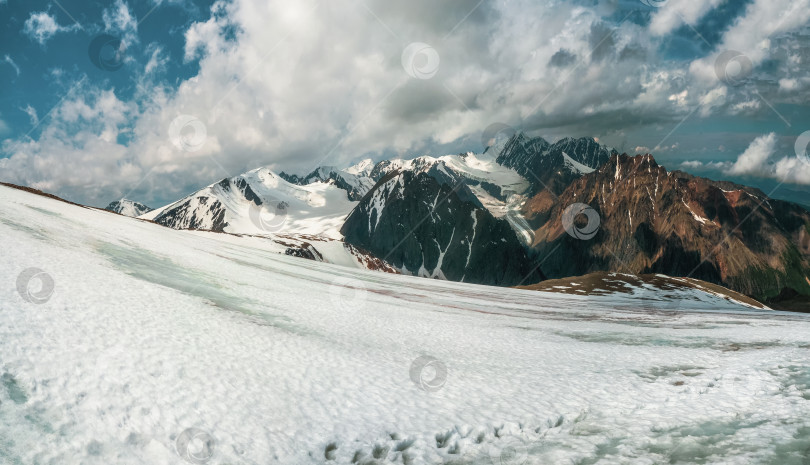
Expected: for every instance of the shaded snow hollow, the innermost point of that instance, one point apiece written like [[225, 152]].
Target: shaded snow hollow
[[151, 331]]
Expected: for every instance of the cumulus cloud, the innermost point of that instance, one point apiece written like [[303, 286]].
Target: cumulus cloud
[[295, 85], [793, 170], [755, 158], [42, 26], [761, 160], [78, 148]]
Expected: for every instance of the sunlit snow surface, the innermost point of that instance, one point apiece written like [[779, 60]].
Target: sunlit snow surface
[[151, 331]]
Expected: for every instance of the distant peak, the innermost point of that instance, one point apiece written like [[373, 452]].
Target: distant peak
[[127, 207], [362, 168]]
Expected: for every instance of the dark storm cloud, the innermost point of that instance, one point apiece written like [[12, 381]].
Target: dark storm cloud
[[601, 41], [562, 58], [419, 101]]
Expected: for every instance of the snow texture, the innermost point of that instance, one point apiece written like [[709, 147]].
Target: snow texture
[[273, 359]]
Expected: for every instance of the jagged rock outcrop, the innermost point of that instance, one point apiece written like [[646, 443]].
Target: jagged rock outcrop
[[552, 166], [654, 221]]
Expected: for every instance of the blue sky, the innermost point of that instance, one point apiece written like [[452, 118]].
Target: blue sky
[[197, 91], [39, 69]]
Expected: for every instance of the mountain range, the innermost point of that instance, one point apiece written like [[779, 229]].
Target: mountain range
[[523, 211]]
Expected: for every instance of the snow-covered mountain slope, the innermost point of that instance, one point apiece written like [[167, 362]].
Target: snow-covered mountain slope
[[354, 180], [259, 202], [476, 170], [362, 168], [128, 207], [217, 348]]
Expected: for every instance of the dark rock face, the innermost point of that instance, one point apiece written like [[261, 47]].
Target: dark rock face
[[305, 251], [207, 215], [205, 212], [545, 165], [652, 221], [426, 228], [291, 178], [242, 185]]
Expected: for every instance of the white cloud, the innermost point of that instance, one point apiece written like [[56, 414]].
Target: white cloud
[[758, 161], [745, 107], [293, 85], [119, 19], [42, 26], [675, 13], [694, 164], [755, 158], [793, 170], [7, 59], [667, 148], [157, 59], [32, 115], [711, 99], [752, 33], [77, 149]]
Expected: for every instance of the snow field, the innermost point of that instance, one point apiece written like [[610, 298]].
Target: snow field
[[151, 331]]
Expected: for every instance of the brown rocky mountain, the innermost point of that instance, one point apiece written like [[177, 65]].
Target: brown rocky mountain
[[653, 221]]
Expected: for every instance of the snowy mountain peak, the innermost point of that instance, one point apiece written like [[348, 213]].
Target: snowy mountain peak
[[363, 168], [128, 207], [354, 180], [259, 202]]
